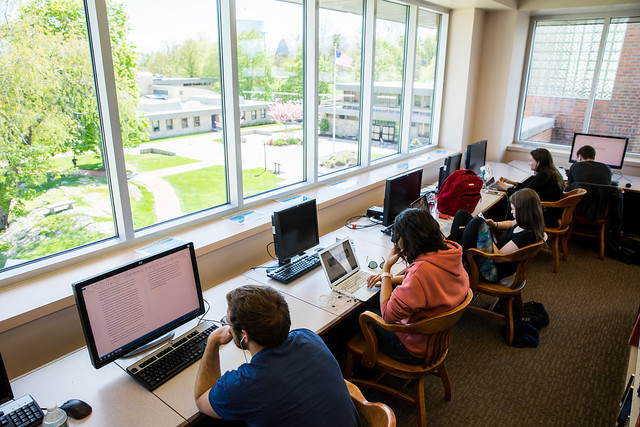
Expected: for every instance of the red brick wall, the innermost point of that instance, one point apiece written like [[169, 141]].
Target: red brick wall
[[619, 116]]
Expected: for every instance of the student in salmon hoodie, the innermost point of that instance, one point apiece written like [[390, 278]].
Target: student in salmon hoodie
[[434, 282]]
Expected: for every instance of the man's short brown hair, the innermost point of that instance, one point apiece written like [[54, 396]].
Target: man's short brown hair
[[262, 311]]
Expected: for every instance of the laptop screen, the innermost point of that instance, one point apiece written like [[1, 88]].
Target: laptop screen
[[5, 388], [339, 260]]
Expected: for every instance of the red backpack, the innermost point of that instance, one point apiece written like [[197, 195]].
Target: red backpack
[[461, 190]]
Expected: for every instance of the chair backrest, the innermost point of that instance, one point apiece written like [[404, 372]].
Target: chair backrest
[[601, 202], [376, 414], [568, 205], [522, 256], [437, 329]]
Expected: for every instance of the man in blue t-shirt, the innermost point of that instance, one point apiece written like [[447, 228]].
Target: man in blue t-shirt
[[292, 378]]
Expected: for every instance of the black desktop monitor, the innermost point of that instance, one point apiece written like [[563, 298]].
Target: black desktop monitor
[[399, 192], [125, 308], [6, 394], [476, 156], [451, 164], [295, 229], [610, 150]]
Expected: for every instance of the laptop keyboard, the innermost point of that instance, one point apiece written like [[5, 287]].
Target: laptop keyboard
[[353, 283], [172, 358], [22, 412]]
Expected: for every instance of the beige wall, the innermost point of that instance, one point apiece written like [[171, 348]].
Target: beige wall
[[503, 46], [463, 54]]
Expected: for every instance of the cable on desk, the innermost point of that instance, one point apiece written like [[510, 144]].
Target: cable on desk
[[351, 222]]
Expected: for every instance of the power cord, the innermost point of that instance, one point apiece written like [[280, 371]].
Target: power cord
[[352, 223]]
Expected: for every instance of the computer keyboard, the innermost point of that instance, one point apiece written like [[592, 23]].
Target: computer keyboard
[[22, 412], [289, 272], [172, 358], [354, 283]]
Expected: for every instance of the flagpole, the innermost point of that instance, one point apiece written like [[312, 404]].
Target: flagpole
[[335, 56]]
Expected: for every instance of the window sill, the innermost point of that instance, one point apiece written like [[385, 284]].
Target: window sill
[[40, 296]]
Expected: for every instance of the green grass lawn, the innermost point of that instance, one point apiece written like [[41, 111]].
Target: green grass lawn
[[197, 190], [135, 162], [206, 188]]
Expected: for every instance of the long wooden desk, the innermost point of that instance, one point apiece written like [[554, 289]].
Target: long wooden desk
[[117, 399]]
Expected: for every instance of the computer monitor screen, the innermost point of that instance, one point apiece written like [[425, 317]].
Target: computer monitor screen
[[6, 394], [476, 156], [610, 150], [451, 164], [399, 192], [127, 307], [295, 229]]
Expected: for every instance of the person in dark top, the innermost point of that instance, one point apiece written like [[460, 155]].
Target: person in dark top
[[291, 379], [546, 181], [526, 229], [586, 169]]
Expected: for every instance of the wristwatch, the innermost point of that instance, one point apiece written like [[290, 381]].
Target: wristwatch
[[385, 274]]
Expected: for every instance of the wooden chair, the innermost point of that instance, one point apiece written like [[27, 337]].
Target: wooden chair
[[375, 413], [508, 294], [364, 346], [559, 236]]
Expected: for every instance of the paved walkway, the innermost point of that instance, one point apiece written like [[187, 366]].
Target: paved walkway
[[207, 152]]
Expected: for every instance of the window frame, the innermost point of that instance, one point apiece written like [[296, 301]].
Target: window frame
[[125, 234], [606, 17]]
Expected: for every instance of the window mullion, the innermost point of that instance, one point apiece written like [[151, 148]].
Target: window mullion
[[231, 100], [366, 86], [310, 96], [409, 74], [100, 42], [596, 74]]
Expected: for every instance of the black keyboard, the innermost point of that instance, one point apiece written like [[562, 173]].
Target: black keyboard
[[22, 412], [289, 272], [172, 358]]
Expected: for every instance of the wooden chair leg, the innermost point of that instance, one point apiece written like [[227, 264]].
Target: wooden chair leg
[[446, 382], [556, 254], [508, 319], [565, 247], [421, 405], [348, 365], [602, 242]]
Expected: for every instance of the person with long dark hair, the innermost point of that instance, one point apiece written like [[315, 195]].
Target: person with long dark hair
[[527, 228], [434, 282], [547, 182]]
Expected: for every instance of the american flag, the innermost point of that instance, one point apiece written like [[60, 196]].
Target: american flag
[[343, 60]]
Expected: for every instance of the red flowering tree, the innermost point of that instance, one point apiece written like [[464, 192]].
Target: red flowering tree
[[286, 112]]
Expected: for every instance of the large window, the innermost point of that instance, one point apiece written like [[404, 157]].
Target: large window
[[581, 78], [270, 71], [340, 39], [424, 79], [391, 27], [54, 194], [178, 170], [97, 151]]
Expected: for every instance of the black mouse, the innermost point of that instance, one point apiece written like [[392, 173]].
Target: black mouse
[[628, 185], [76, 408]]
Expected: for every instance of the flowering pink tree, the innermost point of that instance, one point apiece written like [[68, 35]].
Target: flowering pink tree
[[286, 112]]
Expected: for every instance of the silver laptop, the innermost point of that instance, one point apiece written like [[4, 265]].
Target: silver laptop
[[341, 267]]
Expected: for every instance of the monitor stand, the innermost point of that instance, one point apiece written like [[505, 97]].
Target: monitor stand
[[154, 343], [388, 230]]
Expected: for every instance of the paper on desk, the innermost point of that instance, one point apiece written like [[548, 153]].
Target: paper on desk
[[293, 200], [345, 183], [160, 246], [245, 217]]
